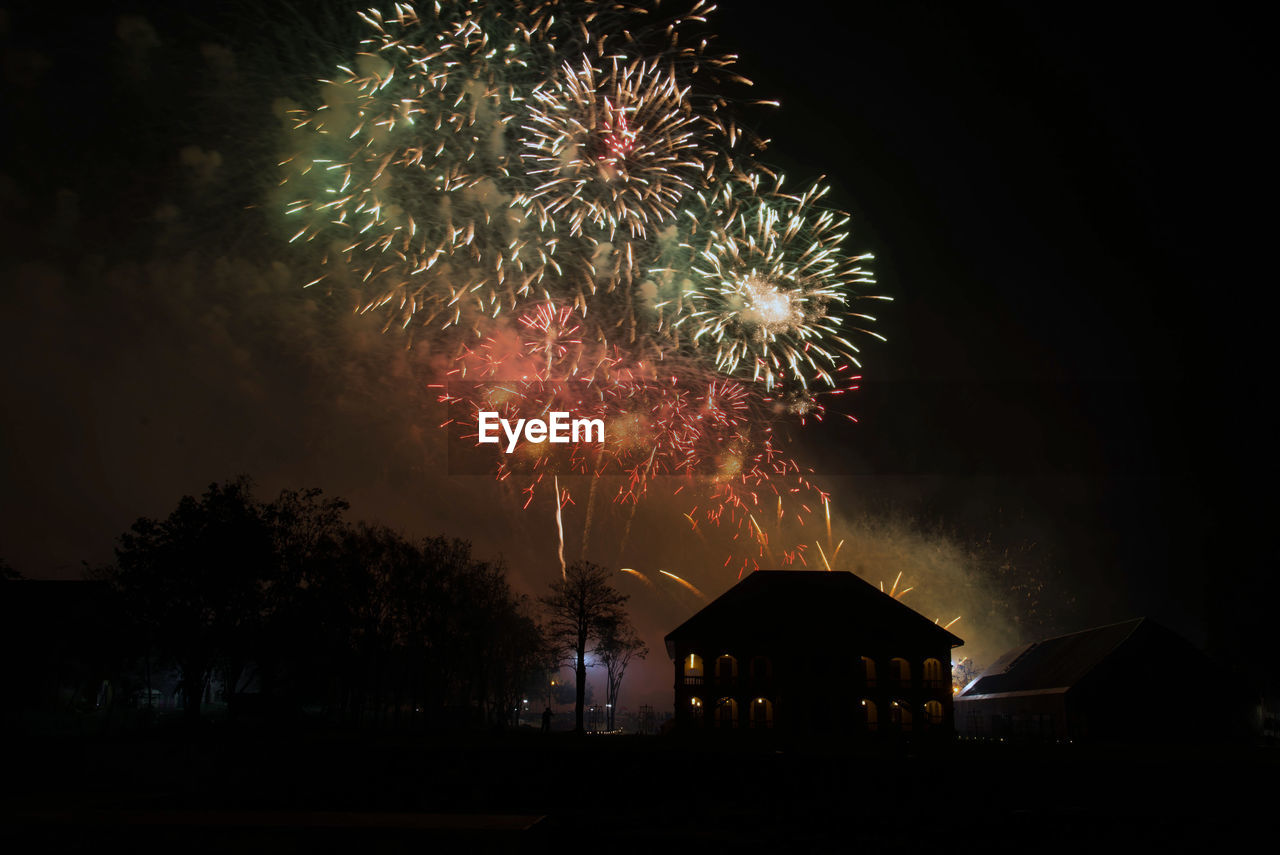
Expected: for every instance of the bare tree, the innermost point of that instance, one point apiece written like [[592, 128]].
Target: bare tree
[[582, 607], [615, 649]]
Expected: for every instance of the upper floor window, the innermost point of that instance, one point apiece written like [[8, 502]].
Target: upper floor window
[[869, 670]]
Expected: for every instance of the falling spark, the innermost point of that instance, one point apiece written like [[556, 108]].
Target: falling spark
[[643, 578], [564, 573], [824, 556], [685, 583], [826, 508]]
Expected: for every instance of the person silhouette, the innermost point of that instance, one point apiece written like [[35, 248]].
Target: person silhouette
[[546, 720]]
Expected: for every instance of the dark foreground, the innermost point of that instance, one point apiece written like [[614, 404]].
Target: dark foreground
[[289, 791]]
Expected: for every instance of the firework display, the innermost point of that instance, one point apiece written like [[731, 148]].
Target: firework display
[[552, 195]]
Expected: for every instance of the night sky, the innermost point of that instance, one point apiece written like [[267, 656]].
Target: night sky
[[1066, 202]]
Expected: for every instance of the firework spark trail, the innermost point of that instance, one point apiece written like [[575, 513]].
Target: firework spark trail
[[643, 578], [688, 585], [560, 529], [894, 592], [826, 509]]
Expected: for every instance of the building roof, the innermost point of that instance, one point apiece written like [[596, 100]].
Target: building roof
[[774, 604], [1051, 665]]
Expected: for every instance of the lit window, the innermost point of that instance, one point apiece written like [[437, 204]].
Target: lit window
[[761, 713], [727, 712], [933, 713]]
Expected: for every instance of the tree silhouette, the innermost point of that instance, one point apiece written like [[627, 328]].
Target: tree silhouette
[[616, 647], [582, 607], [357, 619], [303, 632], [195, 581]]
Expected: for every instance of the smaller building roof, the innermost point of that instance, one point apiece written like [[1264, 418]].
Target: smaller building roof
[[1053, 664]]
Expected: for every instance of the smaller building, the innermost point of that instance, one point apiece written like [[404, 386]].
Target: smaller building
[[812, 652], [1129, 681]]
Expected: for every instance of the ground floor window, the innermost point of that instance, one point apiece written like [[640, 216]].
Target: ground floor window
[[762, 712], [933, 713], [900, 715], [727, 712], [867, 713]]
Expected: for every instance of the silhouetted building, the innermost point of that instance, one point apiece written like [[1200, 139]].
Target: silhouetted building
[[1129, 681], [812, 652]]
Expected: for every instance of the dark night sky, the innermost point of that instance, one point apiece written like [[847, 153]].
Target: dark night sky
[[1058, 197]]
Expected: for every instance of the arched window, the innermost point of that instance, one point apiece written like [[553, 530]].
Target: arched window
[[867, 710], [761, 668], [762, 712], [933, 678], [900, 715], [693, 665], [695, 710], [869, 671], [900, 671], [932, 713], [726, 668], [727, 712]]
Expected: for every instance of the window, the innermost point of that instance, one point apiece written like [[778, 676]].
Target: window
[[900, 671], [932, 713], [762, 712], [867, 712], [726, 668], [869, 671], [693, 665], [933, 678], [727, 712], [900, 715]]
